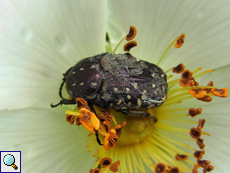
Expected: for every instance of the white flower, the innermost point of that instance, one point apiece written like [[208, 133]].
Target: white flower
[[40, 40]]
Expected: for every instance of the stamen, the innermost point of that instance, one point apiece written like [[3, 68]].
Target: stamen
[[193, 112], [200, 143], [202, 73], [105, 116], [105, 162], [198, 69], [199, 154], [208, 90], [186, 74], [129, 45], [178, 69], [203, 163], [94, 170], [198, 93], [72, 118], [209, 168], [89, 120], [114, 166], [81, 103], [195, 133], [166, 51], [107, 126], [196, 166], [180, 41], [181, 157], [205, 99], [201, 123], [132, 33], [160, 168], [220, 92], [173, 170]]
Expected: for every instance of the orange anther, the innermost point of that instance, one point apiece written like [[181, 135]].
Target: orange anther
[[208, 90], [97, 170], [173, 170], [81, 103], [200, 143], [160, 168], [193, 112], [110, 140], [209, 168], [198, 93], [196, 166], [203, 163], [105, 162], [72, 118], [89, 120], [220, 92], [132, 33], [181, 157], [129, 45], [195, 133], [185, 83], [114, 166], [178, 69], [180, 41], [205, 99], [199, 154], [201, 123], [186, 74]]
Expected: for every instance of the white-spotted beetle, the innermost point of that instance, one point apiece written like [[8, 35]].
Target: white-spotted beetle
[[116, 81]]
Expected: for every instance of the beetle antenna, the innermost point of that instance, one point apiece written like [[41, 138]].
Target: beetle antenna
[[64, 102], [53, 106], [60, 89], [97, 137]]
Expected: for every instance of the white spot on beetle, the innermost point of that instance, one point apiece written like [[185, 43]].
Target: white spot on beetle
[[129, 103], [143, 97], [93, 66], [94, 83], [115, 89], [144, 91], [139, 102], [81, 69], [135, 85], [73, 72], [124, 108], [153, 74], [81, 84], [153, 85], [128, 96], [127, 89], [119, 102], [162, 75], [74, 84]]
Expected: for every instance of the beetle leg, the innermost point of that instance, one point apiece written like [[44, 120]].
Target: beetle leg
[[97, 137], [92, 108], [64, 102]]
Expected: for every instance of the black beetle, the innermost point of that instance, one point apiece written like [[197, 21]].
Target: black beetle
[[116, 81]]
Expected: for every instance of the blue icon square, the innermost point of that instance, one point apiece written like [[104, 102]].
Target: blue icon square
[[10, 161]]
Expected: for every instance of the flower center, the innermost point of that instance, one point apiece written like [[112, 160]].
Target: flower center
[[136, 130]]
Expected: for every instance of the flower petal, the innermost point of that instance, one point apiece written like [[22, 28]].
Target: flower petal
[[48, 143], [42, 39], [160, 22]]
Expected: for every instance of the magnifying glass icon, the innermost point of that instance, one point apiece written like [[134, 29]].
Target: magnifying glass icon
[[9, 160]]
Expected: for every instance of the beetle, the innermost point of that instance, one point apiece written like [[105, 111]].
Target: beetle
[[116, 81]]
